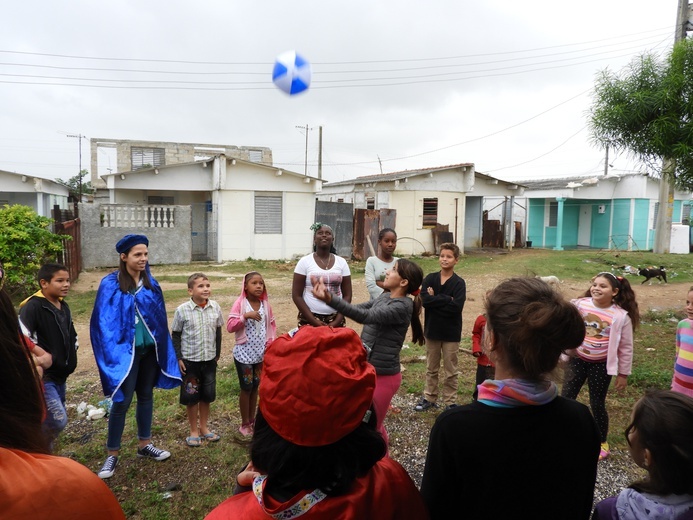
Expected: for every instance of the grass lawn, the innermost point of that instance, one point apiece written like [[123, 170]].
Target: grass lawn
[[194, 480]]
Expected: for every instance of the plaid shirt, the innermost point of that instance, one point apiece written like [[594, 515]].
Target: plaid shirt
[[198, 328]]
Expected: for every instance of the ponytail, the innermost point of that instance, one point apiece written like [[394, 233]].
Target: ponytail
[[411, 272], [416, 328]]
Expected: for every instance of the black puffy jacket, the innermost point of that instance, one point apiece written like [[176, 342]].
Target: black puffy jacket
[[39, 320]]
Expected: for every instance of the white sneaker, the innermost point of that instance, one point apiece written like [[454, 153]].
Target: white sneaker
[[150, 452], [108, 468]]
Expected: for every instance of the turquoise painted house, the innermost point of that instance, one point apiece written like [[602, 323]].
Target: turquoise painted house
[[605, 212]]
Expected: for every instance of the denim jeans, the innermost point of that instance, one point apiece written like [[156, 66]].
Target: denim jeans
[[140, 380], [56, 414]]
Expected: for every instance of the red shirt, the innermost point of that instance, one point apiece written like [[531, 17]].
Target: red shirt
[[477, 339], [386, 492]]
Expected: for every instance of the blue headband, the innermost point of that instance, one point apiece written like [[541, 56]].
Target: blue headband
[[129, 241]]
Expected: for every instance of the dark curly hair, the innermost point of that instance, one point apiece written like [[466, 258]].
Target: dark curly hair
[[332, 468]]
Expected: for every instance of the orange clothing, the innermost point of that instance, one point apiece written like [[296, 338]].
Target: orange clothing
[[477, 339], [385, 493], [38, 486]]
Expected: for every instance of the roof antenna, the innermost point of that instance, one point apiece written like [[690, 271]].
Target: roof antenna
[[380, 163]]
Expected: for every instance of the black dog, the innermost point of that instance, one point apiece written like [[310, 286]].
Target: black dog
[[653, 272]]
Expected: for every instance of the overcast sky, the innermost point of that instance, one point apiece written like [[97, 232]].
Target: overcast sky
[[505, 85]]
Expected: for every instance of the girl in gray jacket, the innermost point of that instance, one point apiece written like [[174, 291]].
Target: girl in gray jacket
[[385, 323]]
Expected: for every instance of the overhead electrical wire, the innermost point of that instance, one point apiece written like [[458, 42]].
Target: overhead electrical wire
[[341, 83], [198, 62]]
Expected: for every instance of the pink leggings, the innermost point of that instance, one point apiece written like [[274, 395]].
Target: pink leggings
[[385, 388]]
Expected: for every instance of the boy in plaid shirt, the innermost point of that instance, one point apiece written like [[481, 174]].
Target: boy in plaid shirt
[[196, 333]]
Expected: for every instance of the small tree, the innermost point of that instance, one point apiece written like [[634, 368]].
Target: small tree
[[73, 184], [26, 242], [647, 110]]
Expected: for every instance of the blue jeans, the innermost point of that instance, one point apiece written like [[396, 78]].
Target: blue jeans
[[56, 414], [140, 380]]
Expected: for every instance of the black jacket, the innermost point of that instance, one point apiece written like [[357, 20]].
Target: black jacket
[[443, 310], [39, 320]]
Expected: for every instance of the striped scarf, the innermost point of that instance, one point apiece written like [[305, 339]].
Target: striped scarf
[[509, 393]]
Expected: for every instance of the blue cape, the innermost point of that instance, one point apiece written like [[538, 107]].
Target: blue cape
[[112, 330]]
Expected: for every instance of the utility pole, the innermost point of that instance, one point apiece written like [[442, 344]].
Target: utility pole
[[320, 153], [666, 182], [606, 162], [79, 178], [305, 167]]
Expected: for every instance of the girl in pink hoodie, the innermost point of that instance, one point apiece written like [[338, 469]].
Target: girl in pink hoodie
[[252, 320]]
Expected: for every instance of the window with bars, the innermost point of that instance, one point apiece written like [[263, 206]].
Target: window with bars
[[147, 157], [268, 214], [255, 155], [553, 214], [430, 212], [370, 203]]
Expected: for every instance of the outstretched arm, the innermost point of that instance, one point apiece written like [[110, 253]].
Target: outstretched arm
[[297, 287]]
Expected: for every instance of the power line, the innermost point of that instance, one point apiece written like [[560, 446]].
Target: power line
[[198, 62], [314, 86], [468, 141]]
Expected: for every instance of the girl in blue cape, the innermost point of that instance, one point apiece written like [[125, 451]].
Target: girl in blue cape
[[132, 347]]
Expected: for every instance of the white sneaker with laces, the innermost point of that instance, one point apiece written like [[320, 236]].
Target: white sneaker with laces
[[108, 468], [151, 452]]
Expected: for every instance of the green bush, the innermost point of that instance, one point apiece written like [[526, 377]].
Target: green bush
[[26, 242]]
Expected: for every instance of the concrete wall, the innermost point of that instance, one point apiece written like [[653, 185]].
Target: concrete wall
[[166, 245], [175, 153]]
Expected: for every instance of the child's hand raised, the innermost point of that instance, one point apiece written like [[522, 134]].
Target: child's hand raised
[[320, 289], [245, 478]]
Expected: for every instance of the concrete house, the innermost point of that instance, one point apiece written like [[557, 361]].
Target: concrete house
[[449, 195], [604, 212], [36, 192], [239, 208]]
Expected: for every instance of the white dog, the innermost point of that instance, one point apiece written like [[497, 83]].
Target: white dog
[[553, 281]]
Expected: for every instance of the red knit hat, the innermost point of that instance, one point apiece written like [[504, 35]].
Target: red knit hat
[[316, 386]]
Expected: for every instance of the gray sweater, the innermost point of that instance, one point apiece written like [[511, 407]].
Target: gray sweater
[[385, 323]]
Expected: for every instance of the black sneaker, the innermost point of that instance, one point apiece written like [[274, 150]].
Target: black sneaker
[[108, 468], [150, 452], [424, 405]]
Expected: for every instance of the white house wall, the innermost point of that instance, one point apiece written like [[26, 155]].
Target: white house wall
[[39, 194], [236, 213], [237, 238], [413, 238]]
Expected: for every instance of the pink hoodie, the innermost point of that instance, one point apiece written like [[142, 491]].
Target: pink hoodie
[[236, 321]]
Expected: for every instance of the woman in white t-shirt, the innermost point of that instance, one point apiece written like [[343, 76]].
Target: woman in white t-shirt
[[334, 271]]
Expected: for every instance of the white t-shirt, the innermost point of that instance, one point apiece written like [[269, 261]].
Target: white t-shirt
[[375, 271], [331, 277]]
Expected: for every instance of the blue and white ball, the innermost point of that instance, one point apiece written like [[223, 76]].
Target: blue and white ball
[[291, 73]]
